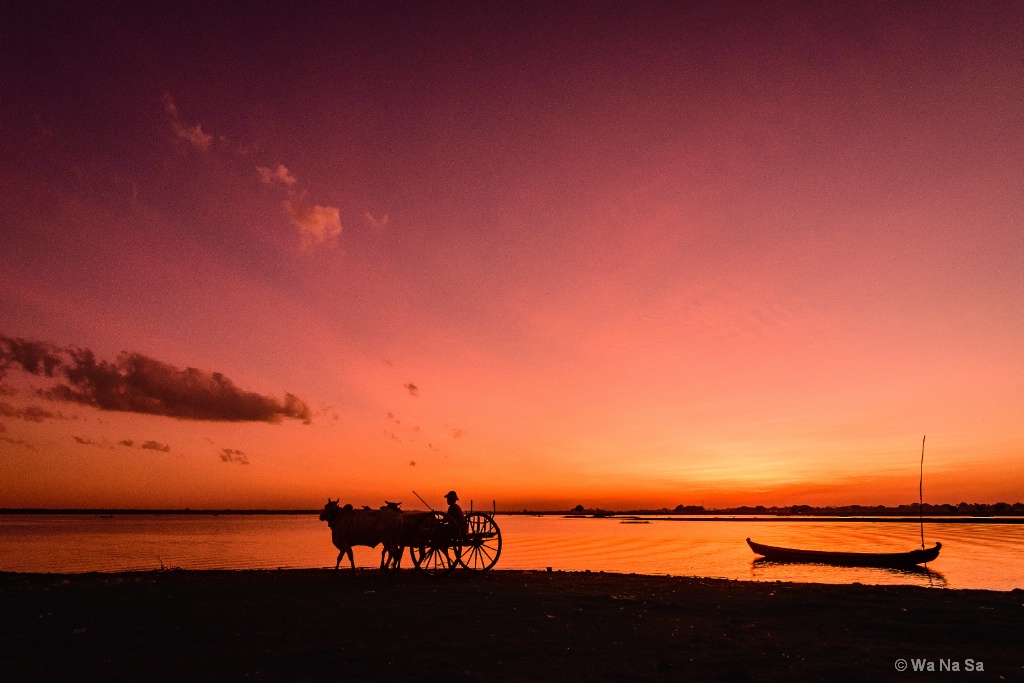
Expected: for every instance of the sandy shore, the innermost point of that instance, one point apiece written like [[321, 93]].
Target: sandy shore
[[314, 625]]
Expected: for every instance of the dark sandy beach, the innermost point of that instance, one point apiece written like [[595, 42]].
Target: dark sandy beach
[[314, 625]]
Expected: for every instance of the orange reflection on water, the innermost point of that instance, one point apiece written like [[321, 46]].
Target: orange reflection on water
[[973, 555]]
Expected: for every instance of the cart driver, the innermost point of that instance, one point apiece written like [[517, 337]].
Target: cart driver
[[455, 512]]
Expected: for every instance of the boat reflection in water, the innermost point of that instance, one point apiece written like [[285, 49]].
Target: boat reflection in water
[[762, 569], [907, 564]]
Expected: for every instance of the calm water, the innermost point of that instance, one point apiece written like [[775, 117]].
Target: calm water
[[973, 555]]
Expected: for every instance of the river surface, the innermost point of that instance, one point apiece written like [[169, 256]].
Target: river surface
[[973, 555]]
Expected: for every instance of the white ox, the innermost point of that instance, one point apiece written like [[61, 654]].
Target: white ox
[[363, 527]]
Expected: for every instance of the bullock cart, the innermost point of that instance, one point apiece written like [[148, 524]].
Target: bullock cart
[[437, 544]]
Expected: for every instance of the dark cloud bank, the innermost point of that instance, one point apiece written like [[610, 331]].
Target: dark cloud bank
[[138, 384]]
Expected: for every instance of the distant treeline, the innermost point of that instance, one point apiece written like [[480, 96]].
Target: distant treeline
[[910, 510], [143, 511]]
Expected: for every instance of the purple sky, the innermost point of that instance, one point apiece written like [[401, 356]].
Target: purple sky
[[627, 253]]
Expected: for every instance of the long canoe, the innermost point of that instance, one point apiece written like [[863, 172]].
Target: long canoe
[[908, 559]]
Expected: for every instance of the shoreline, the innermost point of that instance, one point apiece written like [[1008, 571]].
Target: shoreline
[[624, 516], [315, 624]]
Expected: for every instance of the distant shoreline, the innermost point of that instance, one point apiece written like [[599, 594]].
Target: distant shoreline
[[724, 516]]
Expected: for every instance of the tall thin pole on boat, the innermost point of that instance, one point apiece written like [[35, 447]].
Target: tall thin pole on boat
[[920, 492]]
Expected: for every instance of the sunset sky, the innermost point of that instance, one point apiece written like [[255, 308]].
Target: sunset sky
[[622, 254]]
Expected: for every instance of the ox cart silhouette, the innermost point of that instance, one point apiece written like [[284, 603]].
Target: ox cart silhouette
[[437, 542], [437, 545]]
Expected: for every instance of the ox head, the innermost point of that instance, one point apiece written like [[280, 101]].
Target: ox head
[[329, 509]]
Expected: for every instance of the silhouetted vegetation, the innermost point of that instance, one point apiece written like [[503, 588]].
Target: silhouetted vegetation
[[909, 510]]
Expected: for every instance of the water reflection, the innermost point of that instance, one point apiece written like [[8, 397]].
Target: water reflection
[[973, 555], [770, 570]]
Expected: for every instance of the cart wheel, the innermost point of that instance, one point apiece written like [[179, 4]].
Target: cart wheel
[[437, 551], [482, 545]]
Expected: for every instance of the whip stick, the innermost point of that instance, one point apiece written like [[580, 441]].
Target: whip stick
[[428, 504]]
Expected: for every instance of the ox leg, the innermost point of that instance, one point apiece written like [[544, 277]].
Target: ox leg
[[397, 557], [391, 557], [346, 551]]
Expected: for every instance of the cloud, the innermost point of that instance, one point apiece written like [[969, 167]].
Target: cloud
[[37, 414], [193, 135], [84, 441], [378, 224], [316, 224], [145, 445], [37, 358], [234, 455], [279, 175], [139, 384], [29, 413], [412, 389], [17, 442]]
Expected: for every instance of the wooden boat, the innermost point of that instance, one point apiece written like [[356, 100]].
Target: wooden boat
[[908, 559]]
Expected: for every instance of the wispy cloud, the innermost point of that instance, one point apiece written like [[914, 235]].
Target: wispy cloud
[[378, 224], [145, 445], [139, 384], [412, 389], [17, 442], [271, 176], [28, 413], [316, 224], [234, 455], [193, 135]]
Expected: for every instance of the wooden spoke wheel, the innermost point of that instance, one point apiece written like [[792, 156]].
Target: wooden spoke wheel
[[437, 550], [482, 544]]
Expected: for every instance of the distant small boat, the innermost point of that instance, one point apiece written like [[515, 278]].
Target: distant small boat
[[907, 559]]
